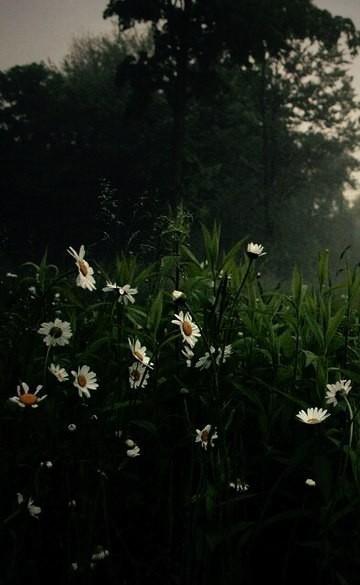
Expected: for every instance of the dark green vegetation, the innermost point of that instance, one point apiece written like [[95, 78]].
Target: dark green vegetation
[[244, 110], [172, 514]]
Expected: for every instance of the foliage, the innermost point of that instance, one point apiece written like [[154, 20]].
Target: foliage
[[180, 513]]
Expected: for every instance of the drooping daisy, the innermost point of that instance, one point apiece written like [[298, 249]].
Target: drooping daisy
[[189, 330], [188, 354], [203, 437], [139, 352], [133, 449], [313, 416], [138, 375], [342, 387], [84, 380], [255, 250], [60, 373], [126, 293], [56, 332], [26, 398], [85, 278]]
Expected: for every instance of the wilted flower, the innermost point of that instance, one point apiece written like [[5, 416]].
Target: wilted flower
[[313, 416], [255, 250], [139, 352], [84, 381], [126, 293], [60, 373], [188, 354], [26, 398], [56, 332], [203, 437], [341, 387], [85, 278], [138, 375], [190, 331]]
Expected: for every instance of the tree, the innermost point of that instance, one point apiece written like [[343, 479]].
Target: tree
[[191, 37]]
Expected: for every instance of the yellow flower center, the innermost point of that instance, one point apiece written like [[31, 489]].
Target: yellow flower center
[[83, 267], [82, 380], [187, 328], [313, 421], [28, 399], [56, 332], [205, 436], [139, 356]]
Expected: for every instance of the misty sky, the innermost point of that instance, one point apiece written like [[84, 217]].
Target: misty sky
[[34, 30]]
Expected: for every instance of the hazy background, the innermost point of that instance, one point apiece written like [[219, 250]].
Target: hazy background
[[78, 142]]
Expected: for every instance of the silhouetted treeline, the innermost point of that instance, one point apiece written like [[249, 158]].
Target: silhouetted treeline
[[245, 111]]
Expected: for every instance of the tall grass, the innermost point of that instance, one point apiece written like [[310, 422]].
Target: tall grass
[[217, 510]]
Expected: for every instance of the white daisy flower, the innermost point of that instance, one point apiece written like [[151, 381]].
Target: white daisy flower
[[48, 464], [239, 486], [126, 293], [138, 375], [341, 387], [139, 352], [56, 332], [310, 482], [85, 278], [133, 450], [190, 331], [204, 363], [26, 398], [84, 381], [33, 510], [203, 437], [60, 373], [223, 355], [188, 354], [100, 554], [255, 250], [177, 294], [313, 416]]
